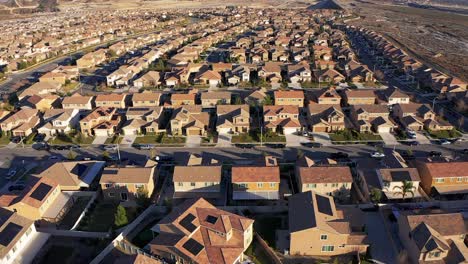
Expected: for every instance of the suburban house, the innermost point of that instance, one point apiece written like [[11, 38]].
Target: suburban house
[[73, 175], [146, 98], [391, 180], [197, 232], [211, 99], [367, 117], [189, 120], [19, 239], [395, 96], [77, 101], [282, 119], [125, 184], [419, 116], [443, 178], [183, 99], [289, 98], [271, 72], [299, 72], [41, 103], [259, 182], [256, 97], [197, 179], [325, 118], [437, 237], [143, 120], [111, 100], [318, 228], [21, 123], [40, 88], [330, 180], [92, 59], [149, 79], [41, 199], [102, 121], [59, 121], [233, 119], [359, 97], [56, 77], [210, 77]]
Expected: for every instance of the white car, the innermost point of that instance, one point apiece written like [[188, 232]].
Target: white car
[[445, 142], [377, 155], [110, 148]]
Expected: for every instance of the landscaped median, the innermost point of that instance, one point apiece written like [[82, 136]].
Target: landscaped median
[[71, 138], [254, 137], [444, 134], [160, 139], [349, 136]]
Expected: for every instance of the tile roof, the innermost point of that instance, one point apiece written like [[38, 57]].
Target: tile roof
[[8, 219], [197, 174], [255, 174], [127, 175], [325, 174], [289, 94], [110, 97], [447, 169]]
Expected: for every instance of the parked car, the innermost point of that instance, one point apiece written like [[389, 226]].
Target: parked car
[[110, 147], [39, 137], [339, 155], [275, 145], [435, 154], [245, 146], [412, 143], [11, 174], [164, 158], [146, 147], [311, 144], [411, 134], [444, 141], [41, 146], [377, 155], [15, 140]]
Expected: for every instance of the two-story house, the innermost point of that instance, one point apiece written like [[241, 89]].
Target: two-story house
[[391, 180], [211, 99], [318, 228], [125, 184], [282, 119], [325, 118], [233, 119], [359, 97], [260, 182], [59, 121], [443, 178], [111, 100], [146, 98], [143, 120], [77, 101], [102, 121], [415, 116], [21, 123], [183, 99], [197, 232], [369, 117], [289, 98], [189, 120]]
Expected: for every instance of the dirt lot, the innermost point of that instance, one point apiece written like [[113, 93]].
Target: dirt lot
[[439, 38]]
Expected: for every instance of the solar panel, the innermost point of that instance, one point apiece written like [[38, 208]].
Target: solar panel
[[211, 219], [193, 246], [110, 172], [400, 175], [323, 204], [41, 191], [187, 223], [79, 169], [9, 233]]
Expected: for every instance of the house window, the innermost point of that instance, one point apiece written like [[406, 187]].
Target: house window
[[242, 185], [260, 185], [108, 185], [439, 180], [434, 254], [459, 179], [180, 184], [323, 237], [328, 248], [311, 185], [334, 185], [272, 185], [139, 186], [192, 184], [345, 185]]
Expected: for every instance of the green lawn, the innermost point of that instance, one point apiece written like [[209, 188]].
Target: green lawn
[[352, 135], [254, 137], [4, 140], [159, 139], [445, 134], [70, 139], [114, 140]]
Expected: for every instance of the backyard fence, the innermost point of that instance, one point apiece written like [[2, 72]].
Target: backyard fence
[[264, 246]]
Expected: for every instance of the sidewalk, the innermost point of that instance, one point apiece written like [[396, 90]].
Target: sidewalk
[[322, 138]]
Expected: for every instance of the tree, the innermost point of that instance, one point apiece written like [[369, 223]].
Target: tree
[[376, 195], [142, 197], [238, 100], [300, 154], [71, 155], [120, 216], [405, 188], [105, 155], [268, 100]]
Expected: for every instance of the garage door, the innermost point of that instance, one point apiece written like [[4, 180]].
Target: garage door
[[129, 131], [384, 129], [224, 130], [290, 131], [319, 129]]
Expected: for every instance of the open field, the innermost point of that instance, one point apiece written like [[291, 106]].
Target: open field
[[438, 38]]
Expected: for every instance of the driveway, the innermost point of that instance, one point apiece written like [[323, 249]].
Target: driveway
[[224, 140], [295, 140], [322, 138], [193, 141], [382, 249], [128, 139], [99, 140], [421, 138], [389, 138]]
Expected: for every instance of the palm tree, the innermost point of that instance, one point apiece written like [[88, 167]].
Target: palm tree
[[406, 187], [376, 195]]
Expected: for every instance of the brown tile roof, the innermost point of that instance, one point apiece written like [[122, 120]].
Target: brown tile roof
[[181, 96], [127, 175], [10, 219], [29, 197], [274, 110], [325, 174], [216, 95], [289, 94], [197, 174], [255, 174], [360, 93], [76, 99], [447, 169], [110, 97], [146, 96], [400, 174], [449, 224], [99, 112]]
